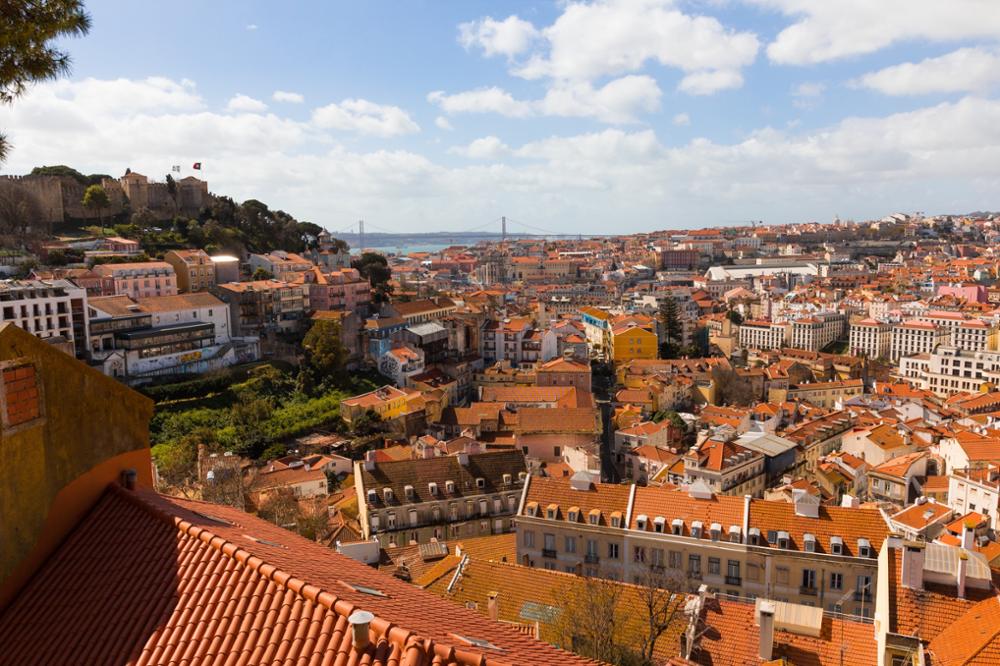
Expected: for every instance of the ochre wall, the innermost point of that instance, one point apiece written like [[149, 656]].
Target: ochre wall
[[54, 469]]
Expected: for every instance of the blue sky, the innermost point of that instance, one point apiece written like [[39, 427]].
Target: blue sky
[[591, 117]]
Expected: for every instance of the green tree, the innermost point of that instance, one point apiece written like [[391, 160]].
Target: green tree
[[735, 317], [248, 418], [673, 329], [263, 274], [375, 268], [95, 198], [20, 211], [325, 358], [29, 30], [172, 189]]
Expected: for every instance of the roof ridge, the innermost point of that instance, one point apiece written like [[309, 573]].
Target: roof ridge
[[391, 632]]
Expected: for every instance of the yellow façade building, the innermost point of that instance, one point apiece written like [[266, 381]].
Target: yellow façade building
[[631, 341]]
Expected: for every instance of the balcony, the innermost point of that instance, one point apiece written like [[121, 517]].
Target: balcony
[[549, 552], [734, 580], [807, 591], [591, 558]]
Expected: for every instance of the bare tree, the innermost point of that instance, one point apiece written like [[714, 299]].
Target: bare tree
[[730, 388], [592, 618], [661, 598]]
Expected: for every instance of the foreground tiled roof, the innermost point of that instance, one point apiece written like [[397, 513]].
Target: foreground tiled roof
[[971, 640], [731, 636], [147, 579]]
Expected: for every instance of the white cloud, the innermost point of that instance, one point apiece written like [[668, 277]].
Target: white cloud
[[251, 27], [618, 101], [486, 148], [710, 82], [939, 159], [682, 119], [289, 97], [807, 94], [611, 37], [825, 30], [364, 117], [443, 123], [970, 69], [482, 100], [509, 37], [246, 104]]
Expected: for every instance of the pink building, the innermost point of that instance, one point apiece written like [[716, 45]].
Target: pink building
[[972, 293], [141, 279], [341, 290]]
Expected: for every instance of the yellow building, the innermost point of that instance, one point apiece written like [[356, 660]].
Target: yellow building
[[630, 342], [388, 402]]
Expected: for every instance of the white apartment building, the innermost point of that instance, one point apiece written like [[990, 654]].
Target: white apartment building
[[141, 279], [817, 330], [916, 337], [53, 310], [951, 370], [976, 490], [871, 338], [762, 334], [964, 332]]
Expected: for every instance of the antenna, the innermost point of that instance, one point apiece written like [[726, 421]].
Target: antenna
[[503, 228], [361, 234]]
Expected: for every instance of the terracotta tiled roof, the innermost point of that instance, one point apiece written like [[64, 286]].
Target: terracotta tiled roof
[[732, 637], [671, 504], [159, 580], [607, 497], [919, 516], [847, 523]]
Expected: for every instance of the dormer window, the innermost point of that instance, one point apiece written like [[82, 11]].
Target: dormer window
[[432, 488], [809, 543], [836, 545], [640, 522], [659, 524], [676, 526], [574, 514], [387, 494], [409, 493], [864, 548], [735, 534], [521, 476], [696, 529], [754, 536], [715, 531], [507, 479], [594, 517], [552, 511], [616, 519], [531, 508], [480, 483], [450, 487], [772, 537], [372, 496], [783, 540]]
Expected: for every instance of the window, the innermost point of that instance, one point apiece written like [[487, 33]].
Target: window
[[676, 559], [556, 451], [613, 551], [864, 586], [529, 539], [570, 544], [809, 579], [658, 560], [591, 548], [550, 541], [733, 571], [836, 581], [390, 520], [714, 566], [413, 517], [694, 565], [638, 554]]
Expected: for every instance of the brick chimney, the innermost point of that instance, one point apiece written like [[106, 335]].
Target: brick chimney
[[913, 565], [493, 605], [963, 565]]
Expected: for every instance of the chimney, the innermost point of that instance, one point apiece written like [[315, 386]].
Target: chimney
[[913, 565], [765, 620], [359, 621], [963, 564], [968, 536], [463, 459], [428, 451], [493, 605], [370, 461], [128, 477]]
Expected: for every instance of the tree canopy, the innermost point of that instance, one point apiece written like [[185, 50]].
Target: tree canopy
[[29, 30], [375, 268]]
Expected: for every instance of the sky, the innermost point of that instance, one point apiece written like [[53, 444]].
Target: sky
[[611, 116]]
